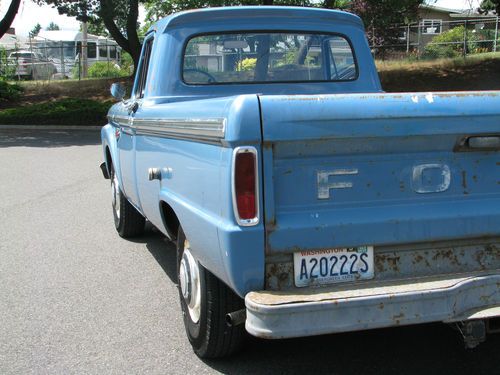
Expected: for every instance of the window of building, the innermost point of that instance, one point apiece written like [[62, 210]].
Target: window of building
[[429, 26], [103, 51], [91, 50]]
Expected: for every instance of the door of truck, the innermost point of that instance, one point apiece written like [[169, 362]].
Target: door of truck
[[127, 140]]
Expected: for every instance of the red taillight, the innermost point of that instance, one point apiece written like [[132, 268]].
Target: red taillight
[[245, 185]]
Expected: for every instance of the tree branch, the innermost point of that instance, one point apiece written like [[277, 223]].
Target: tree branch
[[9, 17]]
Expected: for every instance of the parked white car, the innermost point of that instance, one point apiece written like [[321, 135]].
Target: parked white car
[[32, 65]]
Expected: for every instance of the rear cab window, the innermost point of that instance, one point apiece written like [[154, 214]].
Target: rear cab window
[[267, 57]]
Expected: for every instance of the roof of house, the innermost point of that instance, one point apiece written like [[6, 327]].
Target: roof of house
[[10, 41], [441, 9], [67, 35]]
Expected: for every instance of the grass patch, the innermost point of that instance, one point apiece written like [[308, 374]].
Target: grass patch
[[476, 72], [412, 64], [69, 111]]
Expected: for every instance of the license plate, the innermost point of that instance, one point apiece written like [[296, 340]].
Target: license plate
[[318, 267]]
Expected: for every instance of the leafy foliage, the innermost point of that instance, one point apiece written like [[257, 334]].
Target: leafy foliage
[[453, 44], [67, 111], [247, 64], [103, 69], [488, 5], [53, 27], [9, 91], [380, 17], [35, 30], [7, 71]]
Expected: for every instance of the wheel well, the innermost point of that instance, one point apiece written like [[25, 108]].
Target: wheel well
[[109, 161], [170, 220]]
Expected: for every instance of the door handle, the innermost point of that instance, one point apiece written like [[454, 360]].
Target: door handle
[[487, 142], [478, 143], [132, 107]]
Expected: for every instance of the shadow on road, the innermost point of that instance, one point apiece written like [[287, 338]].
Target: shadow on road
[[425, 349], [161, 249], [48, 138]]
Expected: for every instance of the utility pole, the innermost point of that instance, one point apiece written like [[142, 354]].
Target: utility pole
[[84, 49]]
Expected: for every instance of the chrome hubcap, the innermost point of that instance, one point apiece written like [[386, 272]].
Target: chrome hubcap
[[115, 196], [189, 280]]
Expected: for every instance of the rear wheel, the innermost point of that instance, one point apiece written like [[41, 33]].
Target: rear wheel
[[205, 301], [128, 221]]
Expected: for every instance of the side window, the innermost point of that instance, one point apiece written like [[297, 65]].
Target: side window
[[91, 50], [342, 64], [103, 50], [143, 73]]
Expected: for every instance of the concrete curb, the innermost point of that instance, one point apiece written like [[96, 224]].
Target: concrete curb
[[50, 127]]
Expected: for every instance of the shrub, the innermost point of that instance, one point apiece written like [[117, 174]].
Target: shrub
[[451, 44], [9, 91], [103, 69], [247, 64], [69, 111]]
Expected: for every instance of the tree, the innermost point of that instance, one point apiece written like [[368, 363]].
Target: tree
[[7, 20], [53, 27], [35, 30], [118, 16], [382, 16], [158, 9], [488, 5]]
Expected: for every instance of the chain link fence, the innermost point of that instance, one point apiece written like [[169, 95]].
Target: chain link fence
[[437, 39], [42, 59]]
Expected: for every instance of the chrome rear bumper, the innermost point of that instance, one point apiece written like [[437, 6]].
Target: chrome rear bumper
[[308, 312]]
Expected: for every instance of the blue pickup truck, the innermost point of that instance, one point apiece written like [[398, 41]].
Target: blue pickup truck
[[303, 199]]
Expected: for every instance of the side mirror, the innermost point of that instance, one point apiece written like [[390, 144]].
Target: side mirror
[[118, 91]]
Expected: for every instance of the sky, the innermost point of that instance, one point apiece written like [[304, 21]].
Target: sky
[[30, 14]]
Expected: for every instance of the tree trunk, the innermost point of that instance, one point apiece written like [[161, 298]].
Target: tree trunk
[[131, 45], [9, 16]]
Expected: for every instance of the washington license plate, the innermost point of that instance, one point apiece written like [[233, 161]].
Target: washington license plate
[[328, 266]]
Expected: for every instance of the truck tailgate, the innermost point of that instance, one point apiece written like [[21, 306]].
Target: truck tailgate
[[380, 169]]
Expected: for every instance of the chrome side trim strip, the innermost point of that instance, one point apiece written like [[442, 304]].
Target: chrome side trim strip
[[122, 121], [211, 129]]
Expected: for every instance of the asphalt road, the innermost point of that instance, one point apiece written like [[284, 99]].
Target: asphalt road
[[76, 298]]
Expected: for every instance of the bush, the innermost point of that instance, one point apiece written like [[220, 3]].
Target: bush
[[68, 111], [9, 91], [247, 64], [103, 69], [453, 44]]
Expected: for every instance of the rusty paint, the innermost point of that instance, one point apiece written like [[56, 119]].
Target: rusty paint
[[387, 262], [279, 276], [464, 179]]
